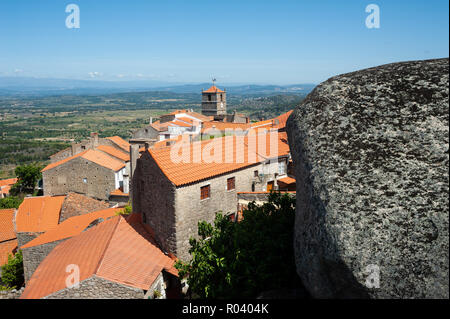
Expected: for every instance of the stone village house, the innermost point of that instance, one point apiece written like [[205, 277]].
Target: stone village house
[[39, 215], [174, 197], [95, 172], [116, 259]]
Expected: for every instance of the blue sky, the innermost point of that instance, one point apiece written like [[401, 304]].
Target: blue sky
[[244, 41]]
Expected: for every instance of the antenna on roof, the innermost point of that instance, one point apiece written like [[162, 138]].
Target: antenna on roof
[[214, 81]]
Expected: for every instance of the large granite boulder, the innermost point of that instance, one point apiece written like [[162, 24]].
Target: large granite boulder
[[370, 150]]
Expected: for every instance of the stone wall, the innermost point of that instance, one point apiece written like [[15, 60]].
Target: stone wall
[[33, 256], [190, 209], [146, 133], [25, 237], [68, 177], [67, 152], [11, 294], [153, 196], [76, 204], [98, 288], [174, 213]]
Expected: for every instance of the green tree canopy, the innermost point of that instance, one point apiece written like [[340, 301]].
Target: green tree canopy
[[12, 272], [240, 260], [27, 178], [10, 202]]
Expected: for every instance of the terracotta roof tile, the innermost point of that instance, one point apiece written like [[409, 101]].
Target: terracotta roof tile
[[38, 214], [282, 119], [120, 142], [8, 182], [5, 189], [103, 160], [94, 156], [176, 122], [114, 250], [222, 126], [114, 152], [214, 89], [161, 127], [84, 250], [287, 180], [191, 166], [6, 224], [118, 192], [71, 227], [7, 248], [262, 124]]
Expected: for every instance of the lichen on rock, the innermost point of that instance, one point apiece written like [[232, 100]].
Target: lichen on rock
[[370, 150]]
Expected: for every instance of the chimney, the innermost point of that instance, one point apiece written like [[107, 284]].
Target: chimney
[[94, 138], [151, 120], [74, 148], [146, 146]]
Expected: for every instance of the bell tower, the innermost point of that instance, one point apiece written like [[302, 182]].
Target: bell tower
[[214, 101]]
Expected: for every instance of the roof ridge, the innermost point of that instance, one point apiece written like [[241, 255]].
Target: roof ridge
[[64, 160], [107, 245]]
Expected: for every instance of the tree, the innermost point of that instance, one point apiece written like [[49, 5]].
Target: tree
[[240, 260], [12, 272], [10, 202], [27, 178]]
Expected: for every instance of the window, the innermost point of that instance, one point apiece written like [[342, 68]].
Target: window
[[230, 183], [85, 180], [282, 167], [205, 192], [255, 173], [209, 97]]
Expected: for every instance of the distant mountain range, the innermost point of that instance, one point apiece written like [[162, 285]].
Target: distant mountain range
[[27, 86]]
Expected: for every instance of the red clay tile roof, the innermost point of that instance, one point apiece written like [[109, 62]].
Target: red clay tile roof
[[8, 182], [118, 192], [120, 142], [188, 120], [192, 113], [5, 189], [6, 224], [38, 214], [94, 156], [287, 180], [7, 248], [71, 227], [221, 126], [214, 89], [176, 122], [262, 124], [189, 168], [114, 152], [282, 119], [114, 250], [161, 127]]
